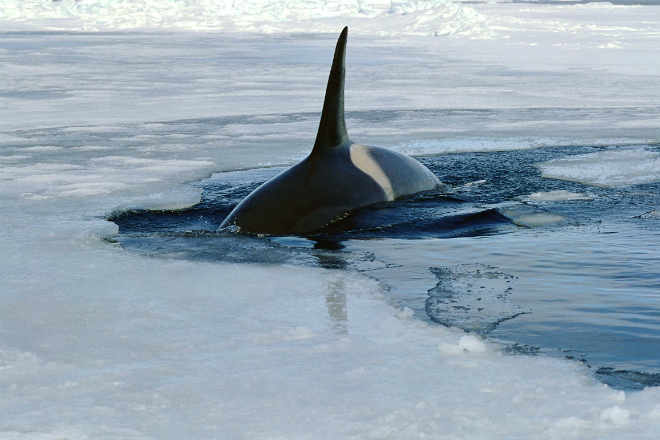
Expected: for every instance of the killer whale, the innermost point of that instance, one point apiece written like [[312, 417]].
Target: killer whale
[[337, 176]]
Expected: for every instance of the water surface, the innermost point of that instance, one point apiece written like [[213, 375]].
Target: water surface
[[565, 276]]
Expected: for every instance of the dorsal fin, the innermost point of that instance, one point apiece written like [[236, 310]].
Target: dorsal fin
[[332, 128]]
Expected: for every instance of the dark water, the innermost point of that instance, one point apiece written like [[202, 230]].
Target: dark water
[[585, 286]]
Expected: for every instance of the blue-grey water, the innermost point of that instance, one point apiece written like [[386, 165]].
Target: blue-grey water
[[585, 287]]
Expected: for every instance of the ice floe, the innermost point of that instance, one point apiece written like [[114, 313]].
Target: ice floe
[[610, 168]]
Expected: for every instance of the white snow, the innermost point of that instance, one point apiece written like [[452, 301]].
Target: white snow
[[96, 342], [406, 313], [616, 415], [384, 17], [467, 344]]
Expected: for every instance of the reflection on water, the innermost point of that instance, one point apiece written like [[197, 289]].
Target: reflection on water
[[556, 274], [335, 301]]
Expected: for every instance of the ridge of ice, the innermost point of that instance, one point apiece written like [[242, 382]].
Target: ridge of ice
[[384, 17]]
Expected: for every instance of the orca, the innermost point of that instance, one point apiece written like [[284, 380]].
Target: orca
[[338, 175]]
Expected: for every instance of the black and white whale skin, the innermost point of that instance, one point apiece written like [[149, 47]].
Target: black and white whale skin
[[337, 176]]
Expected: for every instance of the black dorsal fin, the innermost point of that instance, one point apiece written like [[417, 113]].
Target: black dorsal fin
[[332, 128]]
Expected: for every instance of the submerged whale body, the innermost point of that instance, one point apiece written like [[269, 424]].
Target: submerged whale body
[[337, 176]]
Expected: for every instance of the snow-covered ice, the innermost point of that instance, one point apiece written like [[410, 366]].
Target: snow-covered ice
[[609, 168], [96, 342], [425, 17]]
